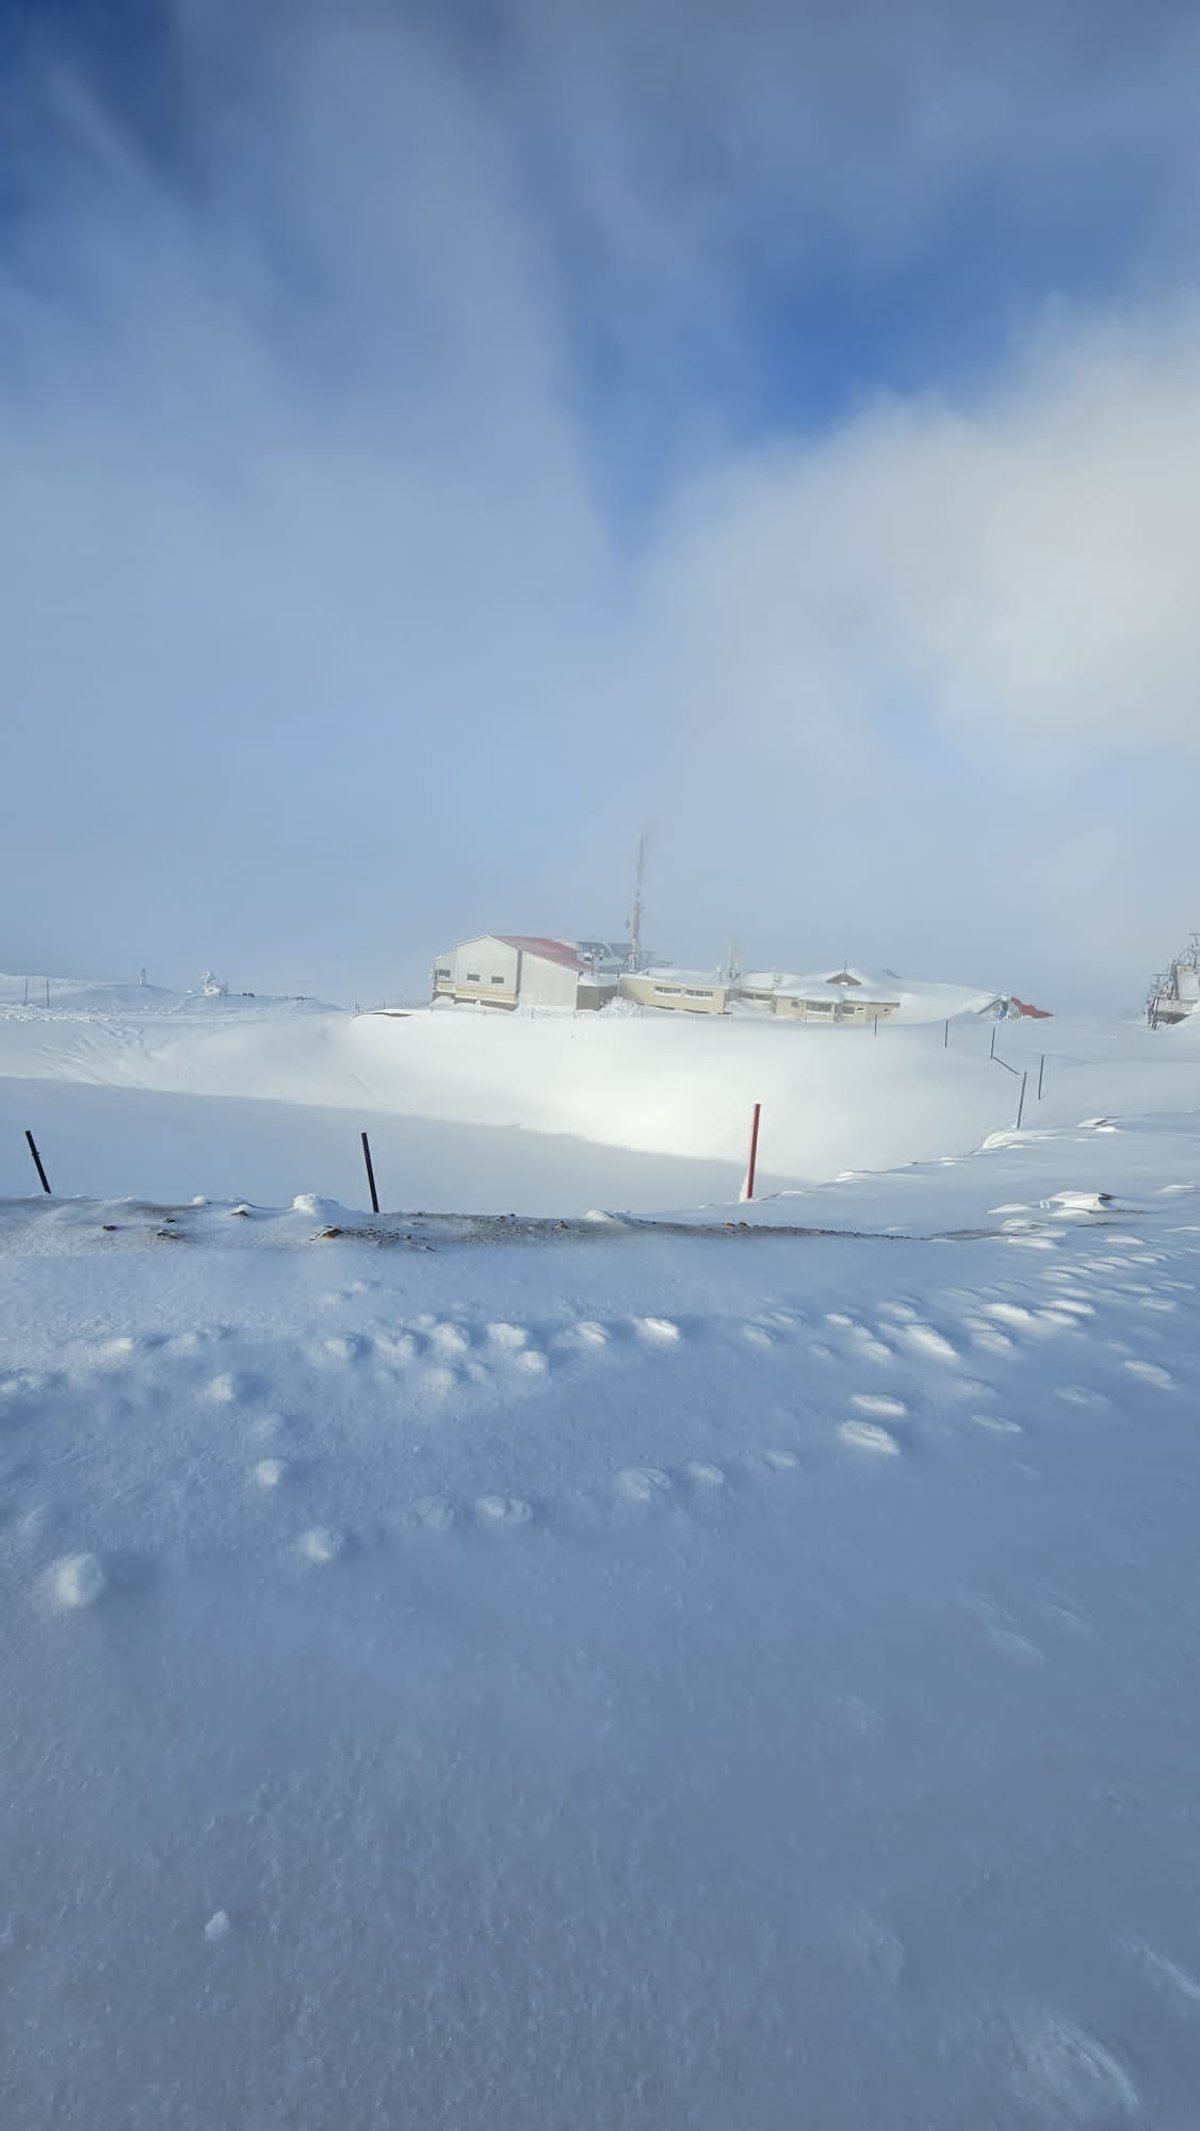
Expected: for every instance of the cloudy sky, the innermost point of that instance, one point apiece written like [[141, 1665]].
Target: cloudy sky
[[438, 437]]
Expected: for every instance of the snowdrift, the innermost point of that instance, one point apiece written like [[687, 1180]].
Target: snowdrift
[[491, 1112], [832, 1099]]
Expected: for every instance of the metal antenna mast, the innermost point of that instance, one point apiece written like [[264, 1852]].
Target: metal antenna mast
[[638, 911]]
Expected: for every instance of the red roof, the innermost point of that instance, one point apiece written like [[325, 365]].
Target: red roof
[[546, 950], [1032, 1013]]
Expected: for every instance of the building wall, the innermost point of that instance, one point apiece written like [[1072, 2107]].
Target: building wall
[[792, 1006], [787, 1006], [682, 992], [547, 983], [856, 1008], [593, 993], [486, 969]]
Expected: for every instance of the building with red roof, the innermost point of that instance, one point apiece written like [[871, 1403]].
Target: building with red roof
[[511, 969]]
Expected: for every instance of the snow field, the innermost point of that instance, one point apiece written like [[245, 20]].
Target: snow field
[[672, 1680], [478, 1672], [263, 1100]]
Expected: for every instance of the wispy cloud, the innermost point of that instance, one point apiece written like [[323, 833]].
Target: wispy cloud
[[413, 476]]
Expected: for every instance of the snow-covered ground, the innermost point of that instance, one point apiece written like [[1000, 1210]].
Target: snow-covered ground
[[241, 1098], [477, 1673]]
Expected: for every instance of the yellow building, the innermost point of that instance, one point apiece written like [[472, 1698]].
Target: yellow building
[[676, 991], [845, 995]]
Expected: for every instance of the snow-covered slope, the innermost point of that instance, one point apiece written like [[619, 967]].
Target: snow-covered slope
[[463, 1676], [72, 996], [276, 1096]]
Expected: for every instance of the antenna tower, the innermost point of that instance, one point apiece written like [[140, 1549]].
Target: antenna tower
[[639, 909]]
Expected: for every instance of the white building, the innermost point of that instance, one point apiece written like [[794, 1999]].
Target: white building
[[514, 969]]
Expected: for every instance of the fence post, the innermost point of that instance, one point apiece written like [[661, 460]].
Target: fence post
[[1041, 1074], [1021, 1103], [366, 1147], [992, 1052], [37, 1163], [946, 1037], [748, 1189]]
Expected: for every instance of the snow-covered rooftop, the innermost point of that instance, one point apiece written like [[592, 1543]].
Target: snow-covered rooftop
[[832, 983], [857, 988]]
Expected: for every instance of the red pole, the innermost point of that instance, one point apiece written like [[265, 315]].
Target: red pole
[[749, 1191]]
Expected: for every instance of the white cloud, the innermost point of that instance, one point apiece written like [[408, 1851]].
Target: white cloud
[[941, 666], [1021, 568], [319, 646]]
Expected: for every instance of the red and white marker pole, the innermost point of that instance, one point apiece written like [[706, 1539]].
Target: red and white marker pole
[[748, 1186]]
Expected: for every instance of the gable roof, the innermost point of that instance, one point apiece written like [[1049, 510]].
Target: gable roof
[[836, 987], [559, 951], [828, 984]]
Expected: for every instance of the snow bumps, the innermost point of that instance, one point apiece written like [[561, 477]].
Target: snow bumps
[[647, 1660], [411, 1392]]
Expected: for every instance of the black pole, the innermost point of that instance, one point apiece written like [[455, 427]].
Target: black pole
[[370, 1173], [1041, 1074], [37, 1162], [992, 1052], [946, 1037], [1021, 1104]]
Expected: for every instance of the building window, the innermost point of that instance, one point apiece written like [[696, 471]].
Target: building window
[[691, 992], [497, 980], [667, 991], [473, 977], [441, 972]]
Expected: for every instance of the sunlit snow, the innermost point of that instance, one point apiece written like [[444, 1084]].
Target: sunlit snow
[[731, 1670]]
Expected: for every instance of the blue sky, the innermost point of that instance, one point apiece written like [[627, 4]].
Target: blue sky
[[434, 441]]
